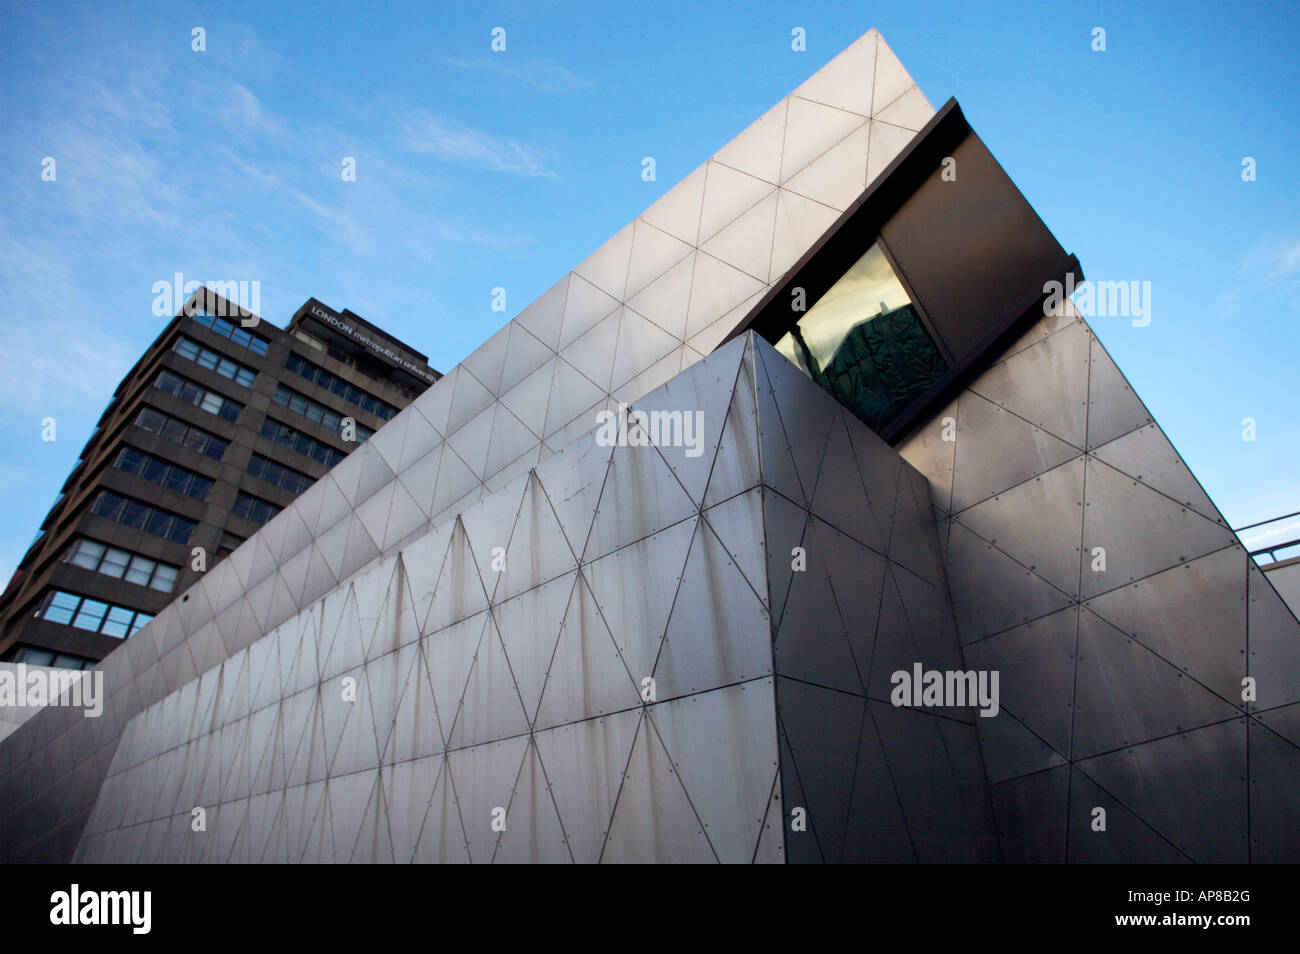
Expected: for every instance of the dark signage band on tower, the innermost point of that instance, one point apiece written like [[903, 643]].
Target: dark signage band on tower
[[340, 325]]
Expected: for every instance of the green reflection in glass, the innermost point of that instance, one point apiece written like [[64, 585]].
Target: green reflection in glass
[[864, 343]]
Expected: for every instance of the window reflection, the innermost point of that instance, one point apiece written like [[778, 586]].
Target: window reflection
[[864, 343]]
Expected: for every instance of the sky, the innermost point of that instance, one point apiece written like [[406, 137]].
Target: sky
[[478, 169]]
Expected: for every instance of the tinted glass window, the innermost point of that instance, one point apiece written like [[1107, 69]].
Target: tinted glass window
[[864, 343]]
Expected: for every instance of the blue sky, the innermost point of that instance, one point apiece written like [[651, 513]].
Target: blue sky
[[477, 169]]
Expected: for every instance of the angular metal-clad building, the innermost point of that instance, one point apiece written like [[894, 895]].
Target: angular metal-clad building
[[652, 574]]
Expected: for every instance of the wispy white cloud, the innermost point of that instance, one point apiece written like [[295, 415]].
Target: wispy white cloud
[[57, 356], [336, 221], [1273, 258], [544, 75], [243, 51], [1273, 263], [445, 139], [241, 111], [507, 241], [109, 138], [135, 96], [1284, 260]]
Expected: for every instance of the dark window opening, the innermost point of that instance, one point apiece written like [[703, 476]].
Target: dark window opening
[[864, 343]]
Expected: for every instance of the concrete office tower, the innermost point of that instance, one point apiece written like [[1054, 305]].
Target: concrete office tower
[[222, 422], [861, 448]]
